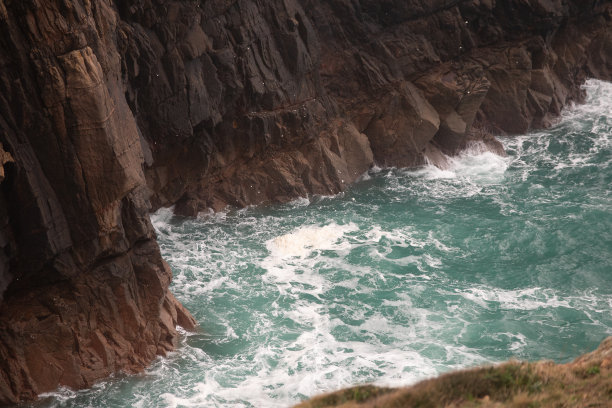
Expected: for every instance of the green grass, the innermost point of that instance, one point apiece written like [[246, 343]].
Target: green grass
[[585, 382]]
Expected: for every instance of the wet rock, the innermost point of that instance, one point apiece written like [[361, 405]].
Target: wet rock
[[84, 288], [404, 124]]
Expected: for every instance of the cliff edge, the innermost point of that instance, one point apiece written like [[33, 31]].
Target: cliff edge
[[111, 109], [585, 382]]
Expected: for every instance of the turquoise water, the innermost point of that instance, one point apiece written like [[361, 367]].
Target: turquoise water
[[408, 274]]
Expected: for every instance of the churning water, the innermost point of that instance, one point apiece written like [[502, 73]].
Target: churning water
[[408, 274]]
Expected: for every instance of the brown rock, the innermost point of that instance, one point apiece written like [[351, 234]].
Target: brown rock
[[403, 126], [85, 291], [5, 158]]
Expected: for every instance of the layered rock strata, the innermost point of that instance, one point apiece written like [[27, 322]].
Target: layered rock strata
[[109, 109], [248, 102], [84, 289]]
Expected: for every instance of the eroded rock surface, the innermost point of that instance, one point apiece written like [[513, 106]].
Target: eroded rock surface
[[230, 95], [84, 288], [110, 109]]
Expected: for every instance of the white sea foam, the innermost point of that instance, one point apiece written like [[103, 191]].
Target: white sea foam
[[431, 172], [215, 216], [304, 240], [481, 167], [405, 237], [583, 131], [317, 362], [61, 395], [162, 216], [598, 101], [293, 257], [299, 202], [474, 165], [521, 299]]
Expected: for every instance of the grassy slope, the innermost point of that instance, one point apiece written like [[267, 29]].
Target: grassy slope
[[585, 382]]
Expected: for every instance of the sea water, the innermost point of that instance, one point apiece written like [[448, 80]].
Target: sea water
[[406, 275]]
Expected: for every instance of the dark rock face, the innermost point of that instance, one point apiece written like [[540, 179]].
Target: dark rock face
[[84, 288], [109, 109], [243, 102]]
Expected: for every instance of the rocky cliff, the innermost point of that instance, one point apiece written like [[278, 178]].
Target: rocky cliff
[[109, 109]]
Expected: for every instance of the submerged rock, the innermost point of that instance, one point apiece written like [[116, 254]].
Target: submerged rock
[[110, 109]]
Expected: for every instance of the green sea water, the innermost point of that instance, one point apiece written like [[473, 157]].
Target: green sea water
[[408, 274]]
